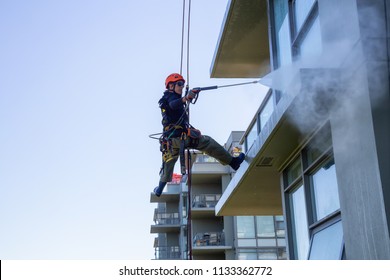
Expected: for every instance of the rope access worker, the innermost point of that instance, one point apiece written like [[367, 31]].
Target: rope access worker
[[178, 134]]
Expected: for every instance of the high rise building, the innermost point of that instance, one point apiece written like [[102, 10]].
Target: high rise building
[[318, 149]]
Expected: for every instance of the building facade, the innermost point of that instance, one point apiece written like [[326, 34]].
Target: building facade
[[189, 229], [318, 148]]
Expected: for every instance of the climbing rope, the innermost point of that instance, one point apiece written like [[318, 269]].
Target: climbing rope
[[182, 38], [188, 42], [183, 27], [187, 110]]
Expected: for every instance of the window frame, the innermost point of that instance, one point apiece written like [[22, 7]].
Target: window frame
[[298, 36], [307, 170], [278, 247], [332, 219]]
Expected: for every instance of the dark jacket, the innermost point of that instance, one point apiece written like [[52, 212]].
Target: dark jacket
[[173, 112]]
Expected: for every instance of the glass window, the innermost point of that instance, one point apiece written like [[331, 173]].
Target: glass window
[[325, 190], [323, 201], [266, 112], [247, 255], [318, 146], [301, 11], [268, 254], [312, 44], [280, 229], [259, 232], [246, 242], [265, 226], [327, 244], [281, 242], [300, 226], [266, 242], [245, 227], [251, 136], [294, 171], [201, 158], [282, 32]]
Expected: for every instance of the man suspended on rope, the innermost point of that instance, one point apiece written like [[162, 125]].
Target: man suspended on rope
[[179, 135]]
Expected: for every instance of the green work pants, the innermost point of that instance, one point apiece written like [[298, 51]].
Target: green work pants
[[206, 145]]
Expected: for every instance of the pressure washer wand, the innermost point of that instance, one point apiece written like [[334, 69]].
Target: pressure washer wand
[[217, 87], [199, 89]]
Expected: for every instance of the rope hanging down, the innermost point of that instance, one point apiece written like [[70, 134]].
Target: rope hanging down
[[187, 109], [188, 40]]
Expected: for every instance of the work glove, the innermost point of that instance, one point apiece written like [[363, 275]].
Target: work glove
[[192, 94]]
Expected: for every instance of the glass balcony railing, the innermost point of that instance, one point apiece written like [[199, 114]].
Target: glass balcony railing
[[209, 239], [164, 218], [265, 111], [203, 158], [167, 253], [205, 200]]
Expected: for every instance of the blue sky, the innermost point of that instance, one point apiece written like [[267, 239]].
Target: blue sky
[[79, 85]]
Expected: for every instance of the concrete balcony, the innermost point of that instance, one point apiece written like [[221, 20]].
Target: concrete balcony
[[165, 222], [209, 243], [205, 164], [203, 205], [171, 194], [167, 253]]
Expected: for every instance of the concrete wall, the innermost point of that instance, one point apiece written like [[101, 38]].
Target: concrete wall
[[375, 40], [360, 130]]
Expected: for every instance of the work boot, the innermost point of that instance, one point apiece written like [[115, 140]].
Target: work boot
[[159, 189], [236, 161]]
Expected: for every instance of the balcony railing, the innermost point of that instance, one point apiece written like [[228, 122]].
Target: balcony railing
[[209, 239], [167, 253], [202, 158], [164, 218], [205, 200]]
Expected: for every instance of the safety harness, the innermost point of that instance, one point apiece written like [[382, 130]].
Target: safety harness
[[173, 131]]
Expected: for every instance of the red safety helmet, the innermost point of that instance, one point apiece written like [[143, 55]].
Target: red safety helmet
[[173, 78]]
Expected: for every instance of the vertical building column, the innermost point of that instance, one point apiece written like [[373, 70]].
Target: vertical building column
[[360, 131], [374, 23]]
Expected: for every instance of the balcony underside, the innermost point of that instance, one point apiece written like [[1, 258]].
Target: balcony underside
[[164, 228], [243, 47]]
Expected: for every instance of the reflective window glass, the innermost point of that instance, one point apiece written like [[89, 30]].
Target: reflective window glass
[[265, 226], [251, 136], [268, 254], [201, 158], [280, 229], [245, 227], [294, 171], [280, 226], [246, 242], [318, 146], [301, 11], [279, 218], [282, 32], [266, 242], [266, 112], [327, 243], [325, 190], [312, 44], [300, 226], [281, 242], [247, 255]]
